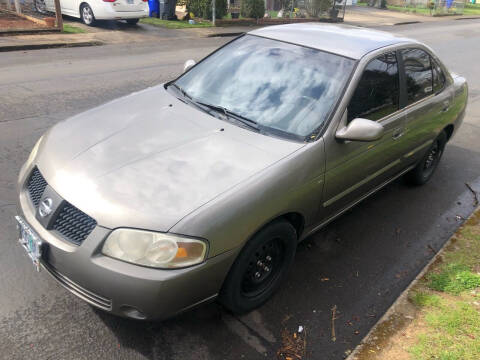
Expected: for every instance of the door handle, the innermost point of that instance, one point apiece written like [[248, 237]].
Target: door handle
[[397, 134], [446, 106]]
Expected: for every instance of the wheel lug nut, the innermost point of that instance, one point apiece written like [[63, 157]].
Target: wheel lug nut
[[269, 258], [257, 275], [266, 268], [259, 263]]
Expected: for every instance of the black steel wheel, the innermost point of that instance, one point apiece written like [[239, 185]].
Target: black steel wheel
[[260, 267], [263, 267], [427, 166]]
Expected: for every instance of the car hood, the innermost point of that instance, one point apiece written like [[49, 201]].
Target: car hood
[[148, 159]]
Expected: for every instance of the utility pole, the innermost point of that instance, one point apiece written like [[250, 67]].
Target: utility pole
[[58, 14], [213, 12]]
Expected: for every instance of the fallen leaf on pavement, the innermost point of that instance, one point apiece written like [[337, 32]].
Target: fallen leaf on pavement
[[293, 345]]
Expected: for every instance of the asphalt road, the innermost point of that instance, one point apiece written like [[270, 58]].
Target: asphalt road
[[360, 263]]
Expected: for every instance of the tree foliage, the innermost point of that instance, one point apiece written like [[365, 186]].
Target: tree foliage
[[253, 8], [315, 8], [203, 8]]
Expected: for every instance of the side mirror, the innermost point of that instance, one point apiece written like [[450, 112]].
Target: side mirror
[[188, 64], [361, 130]]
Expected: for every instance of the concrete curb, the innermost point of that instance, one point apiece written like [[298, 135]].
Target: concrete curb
[[468, 18], [13, 32], [226, 34], [408, 23], [403, 296], [20, 47]]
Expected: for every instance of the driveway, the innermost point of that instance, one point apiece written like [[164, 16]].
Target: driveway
[[359, 264]]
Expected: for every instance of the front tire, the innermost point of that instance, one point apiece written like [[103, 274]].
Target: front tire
[[86, 14], [420, 174], [132, 21], [260, 268]]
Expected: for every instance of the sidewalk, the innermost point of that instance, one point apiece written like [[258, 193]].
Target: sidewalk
[[102, 35], [118, 32], [368, 16], [32, 42]]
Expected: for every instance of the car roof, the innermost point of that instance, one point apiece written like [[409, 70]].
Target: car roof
[[350, 41]]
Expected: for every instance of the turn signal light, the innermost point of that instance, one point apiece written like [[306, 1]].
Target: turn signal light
[[181, 253]]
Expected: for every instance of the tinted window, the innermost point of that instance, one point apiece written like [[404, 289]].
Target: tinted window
[[438, 77], [281, 86], [418, 71], [377, 93]]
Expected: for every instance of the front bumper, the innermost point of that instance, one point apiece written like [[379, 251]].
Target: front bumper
[[121, 288]]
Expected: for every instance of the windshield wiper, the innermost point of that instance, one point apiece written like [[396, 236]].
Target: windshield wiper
[[180, 89], [246, 121], [214, 107]]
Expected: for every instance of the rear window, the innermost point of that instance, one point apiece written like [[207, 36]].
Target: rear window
[[418, 71], [438, 77]]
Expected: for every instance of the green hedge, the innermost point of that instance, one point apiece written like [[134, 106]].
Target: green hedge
[[253, 9], [203, 8]]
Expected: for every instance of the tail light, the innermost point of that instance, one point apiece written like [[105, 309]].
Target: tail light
[[109, 0]]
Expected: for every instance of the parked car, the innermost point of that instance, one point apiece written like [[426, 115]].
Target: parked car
[[201, 188], [91, 10]]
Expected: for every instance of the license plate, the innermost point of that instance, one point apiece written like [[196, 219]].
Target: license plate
[[30, 241], [130, 1]]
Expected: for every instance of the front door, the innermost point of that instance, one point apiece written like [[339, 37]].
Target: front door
[[354, 168]]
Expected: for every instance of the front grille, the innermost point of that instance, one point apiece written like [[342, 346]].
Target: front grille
[[36, 186], [78, 290], [73, 224]]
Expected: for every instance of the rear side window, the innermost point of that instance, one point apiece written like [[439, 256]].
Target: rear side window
[[418, 71], [377, 92], [438, 77]]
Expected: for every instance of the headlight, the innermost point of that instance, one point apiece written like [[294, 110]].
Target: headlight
[[34, 151], [154, 249]]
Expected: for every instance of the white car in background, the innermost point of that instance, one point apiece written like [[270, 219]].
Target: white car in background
[[91, 10]]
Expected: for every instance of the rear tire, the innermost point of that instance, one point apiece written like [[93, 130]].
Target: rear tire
[[86, 14], [260, 268], [132, 21], [421, 173]]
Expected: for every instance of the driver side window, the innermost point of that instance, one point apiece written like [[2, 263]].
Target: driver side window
[[377, 93]]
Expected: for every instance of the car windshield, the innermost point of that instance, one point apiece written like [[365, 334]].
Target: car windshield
[[277, 85]]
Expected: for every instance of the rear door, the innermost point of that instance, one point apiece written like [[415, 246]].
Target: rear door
[[428, 101], [354, 168]]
